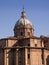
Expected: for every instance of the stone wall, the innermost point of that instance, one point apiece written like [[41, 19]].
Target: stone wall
[[35, 57], [46, 57], [35, 43], [1, 57], [12, 43]]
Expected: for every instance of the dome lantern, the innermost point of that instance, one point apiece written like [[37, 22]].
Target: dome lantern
[[23, 13]]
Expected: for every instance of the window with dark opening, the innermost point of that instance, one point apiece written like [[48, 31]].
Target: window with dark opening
[[21, 33], [28, 56], [28, 44], [35, 45]]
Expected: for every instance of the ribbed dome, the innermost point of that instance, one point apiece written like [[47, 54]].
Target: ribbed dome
[[23, 21], [23, 27]]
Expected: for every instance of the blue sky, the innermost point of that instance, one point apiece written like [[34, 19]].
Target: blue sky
[[37, 12]]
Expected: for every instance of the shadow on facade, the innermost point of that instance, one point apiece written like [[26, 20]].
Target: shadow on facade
[[47, 60], [12, 55]]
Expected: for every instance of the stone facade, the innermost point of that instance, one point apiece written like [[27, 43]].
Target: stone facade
[[24, 48]]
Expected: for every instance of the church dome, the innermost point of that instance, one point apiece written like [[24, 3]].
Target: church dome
[[23, 21], [23, 26]]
